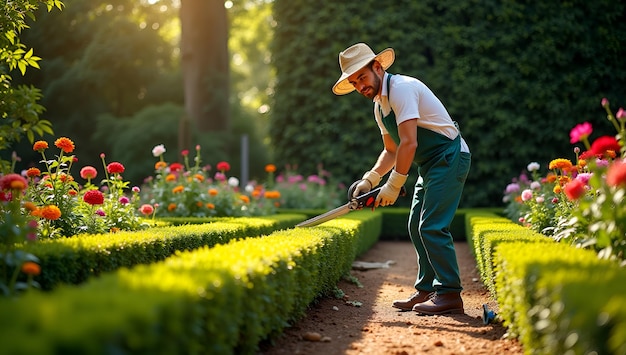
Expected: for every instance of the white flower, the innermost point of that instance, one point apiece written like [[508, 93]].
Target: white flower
[[233, 181], [533, 166], [249, 188], [158, 150], [535, 185]]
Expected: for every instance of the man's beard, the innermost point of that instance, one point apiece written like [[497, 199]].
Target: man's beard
[[375, 88]]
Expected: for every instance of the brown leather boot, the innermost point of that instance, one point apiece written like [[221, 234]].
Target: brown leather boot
[[441, 304], [417, 297]]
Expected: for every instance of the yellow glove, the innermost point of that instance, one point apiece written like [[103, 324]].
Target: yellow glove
[[391, 189], [370, 180]]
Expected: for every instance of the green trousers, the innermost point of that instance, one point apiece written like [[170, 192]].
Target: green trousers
[[442, 174]]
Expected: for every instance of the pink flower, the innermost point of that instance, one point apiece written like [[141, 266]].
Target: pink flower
[[88, 172], [621, 114], [527, 195], [136, 189], [100, 213], [124, 200], [158, 150], [185, 152], [580, 132], [605, 102], [13, 182], [146, 209]]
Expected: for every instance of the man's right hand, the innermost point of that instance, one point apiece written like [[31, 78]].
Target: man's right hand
[[370, 180]]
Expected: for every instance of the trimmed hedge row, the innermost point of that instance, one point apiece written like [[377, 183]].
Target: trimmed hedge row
[[555, 298], [74, 260], [223, 299]]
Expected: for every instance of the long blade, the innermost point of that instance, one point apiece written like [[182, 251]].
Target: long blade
[[339, 211]]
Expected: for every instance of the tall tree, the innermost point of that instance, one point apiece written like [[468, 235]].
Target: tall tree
[[205, 63]]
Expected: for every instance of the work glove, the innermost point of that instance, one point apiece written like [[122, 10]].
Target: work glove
[[370, 180], [391, 189]]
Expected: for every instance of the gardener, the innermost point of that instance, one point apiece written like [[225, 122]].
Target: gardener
[[415, 127]]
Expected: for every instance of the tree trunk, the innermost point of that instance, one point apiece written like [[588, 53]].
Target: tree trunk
[[205, 61]]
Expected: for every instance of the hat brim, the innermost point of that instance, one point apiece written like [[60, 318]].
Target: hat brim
[[343, 86]]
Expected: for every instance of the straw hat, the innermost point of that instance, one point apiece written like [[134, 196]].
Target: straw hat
[[354, 59]]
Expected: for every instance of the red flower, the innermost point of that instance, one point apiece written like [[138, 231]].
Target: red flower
[[40, 146], [115, 168], [88, 172], [223, 166], [33, 172], [574, 189], [176, 167], [94, 197], [616, 175], [185, 152], [13, 182], [603, 144], [64, 144], [146, 209]]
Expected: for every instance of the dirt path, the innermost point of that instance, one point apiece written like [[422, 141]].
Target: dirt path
[[375, 327]]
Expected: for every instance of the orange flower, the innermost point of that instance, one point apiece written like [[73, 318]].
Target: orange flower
[[198, 177], [64, 144], [564, 180], [31, 268], [72, 192], [171, 207], [270, 168], [114, 230], [51, 212], [256, 193], [276, 204], [30, 206], [213, 192], [560, 163], [33, 172], [272, 194], [36, 212], [170, 177], [40, 146], [160, 165], [210, 206], [199, 204], [244, 198], [177, 189]]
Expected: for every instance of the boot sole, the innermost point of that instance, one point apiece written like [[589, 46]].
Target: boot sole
[[447, 311]]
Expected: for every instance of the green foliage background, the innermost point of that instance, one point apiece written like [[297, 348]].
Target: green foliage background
[[111, 81], [516, 75]]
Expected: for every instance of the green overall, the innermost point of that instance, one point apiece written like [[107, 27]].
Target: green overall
[[442, 169]]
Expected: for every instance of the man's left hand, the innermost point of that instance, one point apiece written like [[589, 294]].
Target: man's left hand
[[391, 190]]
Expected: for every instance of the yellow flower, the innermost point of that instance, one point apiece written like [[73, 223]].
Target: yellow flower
[[560, 163], [557, 189]]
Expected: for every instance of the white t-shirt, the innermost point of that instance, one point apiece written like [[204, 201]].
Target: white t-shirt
[[410, 98]]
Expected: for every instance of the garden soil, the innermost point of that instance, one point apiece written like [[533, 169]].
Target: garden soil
[[365, 323]]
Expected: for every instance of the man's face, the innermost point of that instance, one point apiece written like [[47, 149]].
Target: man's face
[[367, 81]]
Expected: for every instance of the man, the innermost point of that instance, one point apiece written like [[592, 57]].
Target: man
[[415, 127]]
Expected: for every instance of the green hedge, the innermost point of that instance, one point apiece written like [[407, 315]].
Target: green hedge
[[213, 300], [73, 260], [559, 299]]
